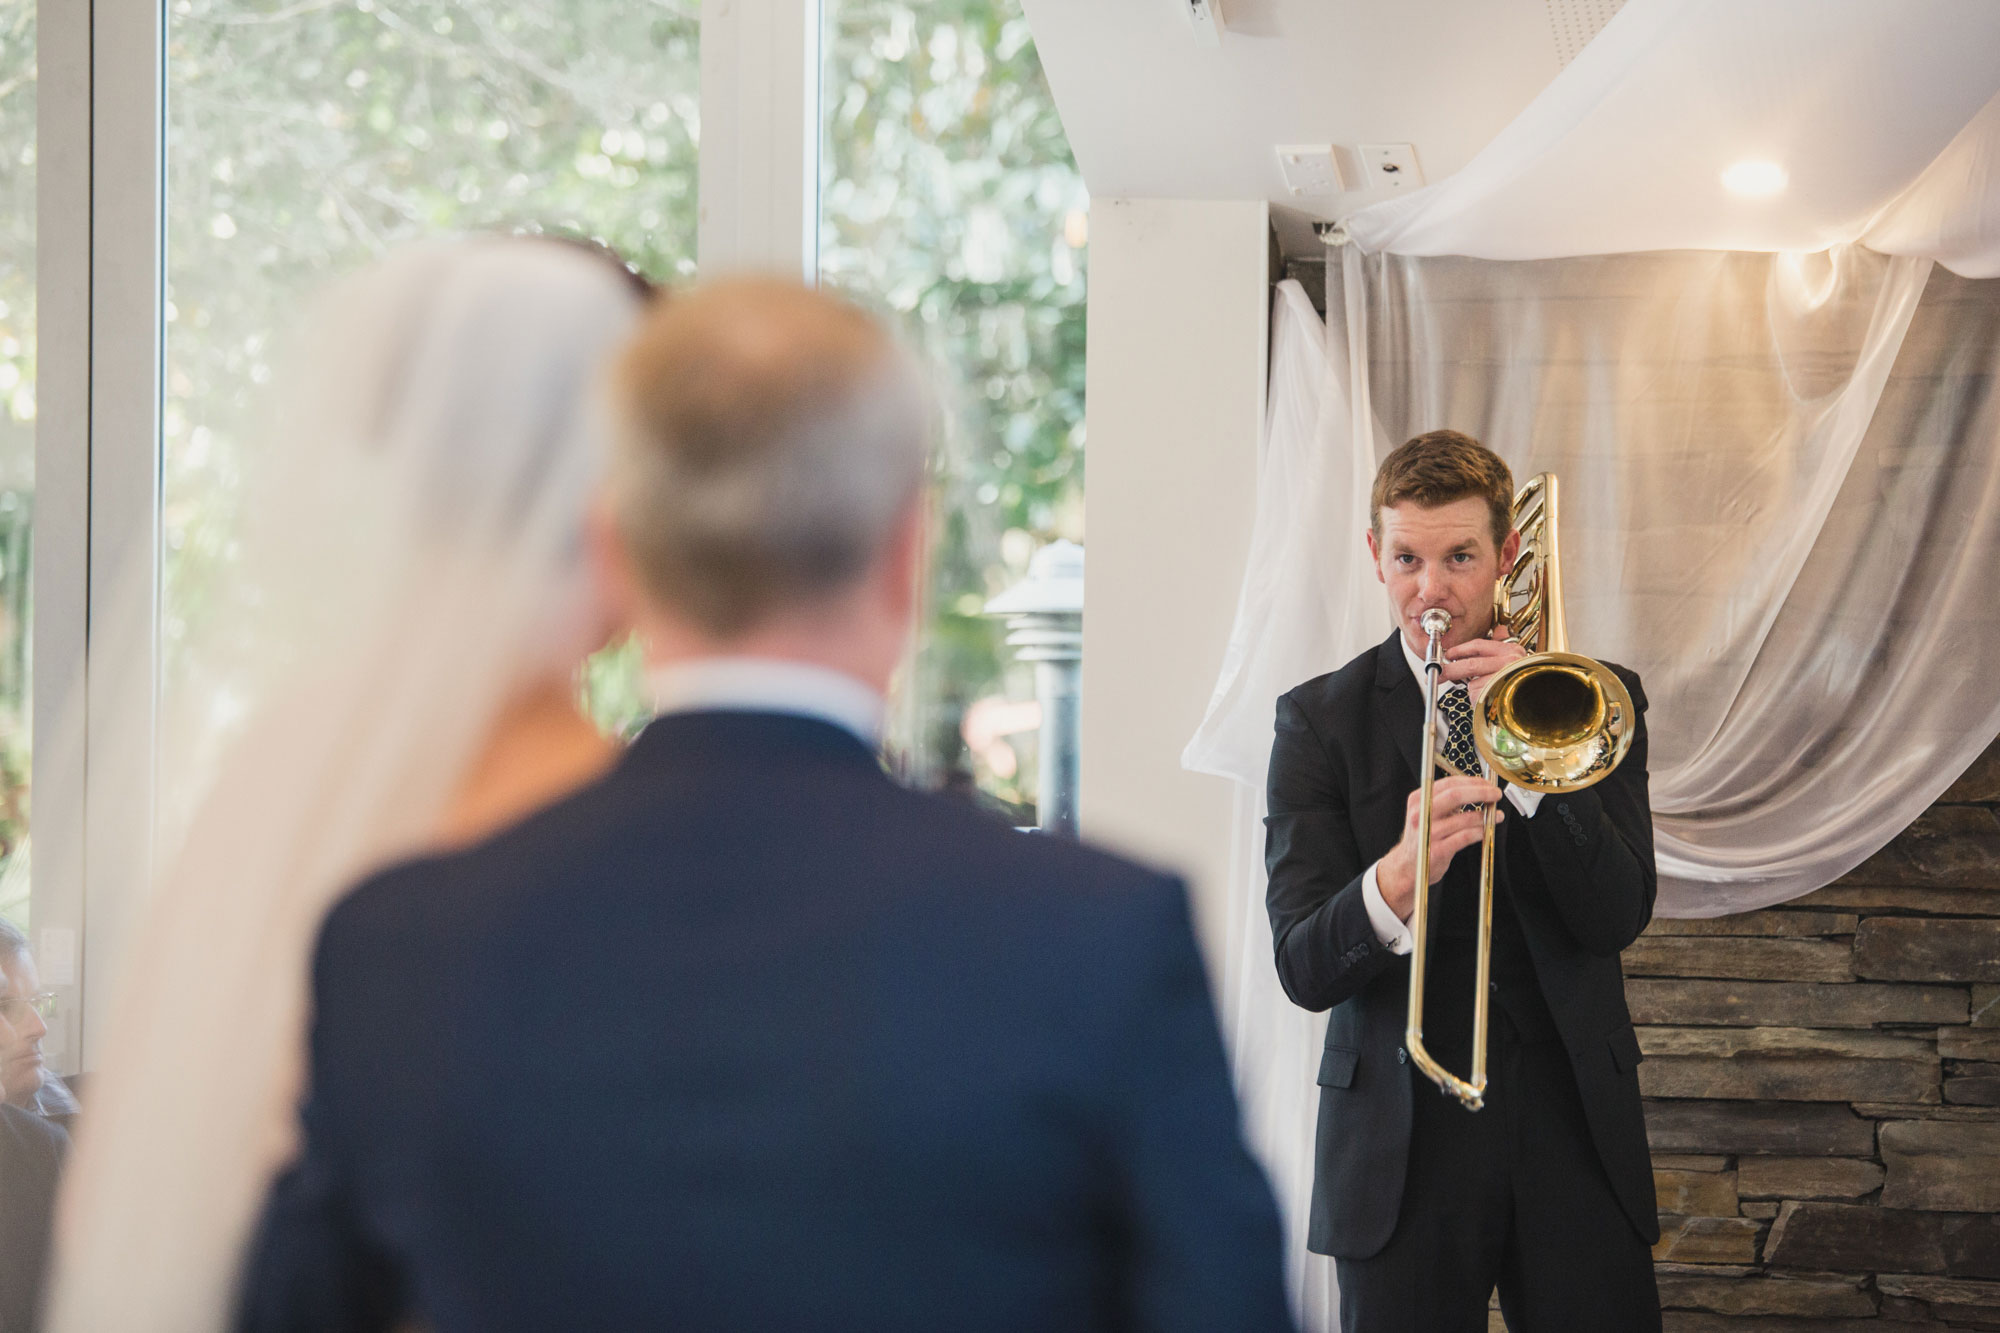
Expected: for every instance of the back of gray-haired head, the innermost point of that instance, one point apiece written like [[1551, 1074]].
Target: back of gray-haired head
[[13, 941], [771, 440]]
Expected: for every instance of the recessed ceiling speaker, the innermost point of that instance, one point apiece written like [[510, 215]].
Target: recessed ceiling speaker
[[1574, 22]]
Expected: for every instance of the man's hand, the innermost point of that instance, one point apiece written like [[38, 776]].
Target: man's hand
[[1477, 661], [1452, 831]]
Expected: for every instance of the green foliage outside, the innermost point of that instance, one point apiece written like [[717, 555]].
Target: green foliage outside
[[951, 202], [17, 440], [305, 138]]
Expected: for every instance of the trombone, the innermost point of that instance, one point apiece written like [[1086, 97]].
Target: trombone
[[1553, 721]]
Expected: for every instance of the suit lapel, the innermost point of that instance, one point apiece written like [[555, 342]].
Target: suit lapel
[[1402, 703]]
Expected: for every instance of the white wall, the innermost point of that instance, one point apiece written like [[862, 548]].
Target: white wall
[[1179, 316]]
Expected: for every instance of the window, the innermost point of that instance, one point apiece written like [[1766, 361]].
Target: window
[[950, 202], [303, 140], [17, 440]]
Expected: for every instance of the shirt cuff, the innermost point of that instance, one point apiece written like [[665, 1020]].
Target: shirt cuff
[[1527, 802], [1389, 928]]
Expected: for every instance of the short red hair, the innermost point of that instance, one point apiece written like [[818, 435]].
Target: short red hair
[[1438, 468]]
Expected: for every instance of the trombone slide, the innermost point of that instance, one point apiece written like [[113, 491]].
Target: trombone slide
[[1472, 1091]]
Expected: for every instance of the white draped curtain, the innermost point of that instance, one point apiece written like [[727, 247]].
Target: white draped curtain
[[1775, 421], [1781, 484]]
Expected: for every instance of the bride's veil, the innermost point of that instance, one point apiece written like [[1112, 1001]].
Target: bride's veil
[[411, 543]]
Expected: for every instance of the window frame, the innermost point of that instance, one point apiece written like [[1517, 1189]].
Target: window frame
[[100, 275], [98, 258]]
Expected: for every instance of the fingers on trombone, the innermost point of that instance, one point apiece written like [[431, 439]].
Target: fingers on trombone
[[1460, 824], [1461, 840], [1477, 650], [1465, 792]]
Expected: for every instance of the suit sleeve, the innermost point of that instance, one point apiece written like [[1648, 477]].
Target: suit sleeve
[[312, 1266], [1595, 848], [31, 1156], [1199, 1242], [1327, 948]]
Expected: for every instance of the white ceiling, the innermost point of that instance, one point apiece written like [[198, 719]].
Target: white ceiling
[[1848, 101], [1154, 113]]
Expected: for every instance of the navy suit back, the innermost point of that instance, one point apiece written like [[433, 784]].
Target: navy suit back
[[746, 1036]]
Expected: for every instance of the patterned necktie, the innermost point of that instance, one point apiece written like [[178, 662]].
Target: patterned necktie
[[1455, 705]]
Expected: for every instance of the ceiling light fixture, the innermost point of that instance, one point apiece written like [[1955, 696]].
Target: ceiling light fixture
[[1756, 180]]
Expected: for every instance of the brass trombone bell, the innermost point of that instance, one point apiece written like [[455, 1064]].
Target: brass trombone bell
[[1553, 722]]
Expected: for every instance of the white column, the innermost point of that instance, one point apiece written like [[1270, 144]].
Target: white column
[[126, 284], [62, 505], [760, 81], [97, 461], [1179, 309]]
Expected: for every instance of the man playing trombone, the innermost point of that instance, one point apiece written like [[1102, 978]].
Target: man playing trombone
[[1547, 1192]]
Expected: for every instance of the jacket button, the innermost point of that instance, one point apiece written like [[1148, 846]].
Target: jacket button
[[1402, 1056]]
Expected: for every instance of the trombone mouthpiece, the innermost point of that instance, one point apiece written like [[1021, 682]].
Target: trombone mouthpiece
[[1436, 621]]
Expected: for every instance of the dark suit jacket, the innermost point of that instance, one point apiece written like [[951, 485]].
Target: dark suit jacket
[[746, 1036], [31, 1155], [1581, 883]]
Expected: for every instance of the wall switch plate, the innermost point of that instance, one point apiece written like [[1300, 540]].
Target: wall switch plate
[[1390, 166], [57, 956], [1310, 168]]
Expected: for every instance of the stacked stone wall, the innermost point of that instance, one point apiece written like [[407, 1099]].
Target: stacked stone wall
[[1823, 1092]]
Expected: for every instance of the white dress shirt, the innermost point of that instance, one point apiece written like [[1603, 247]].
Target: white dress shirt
[[1393, 931], [768, 685]]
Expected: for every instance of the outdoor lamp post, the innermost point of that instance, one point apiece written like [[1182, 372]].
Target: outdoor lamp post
[[1044, 615]]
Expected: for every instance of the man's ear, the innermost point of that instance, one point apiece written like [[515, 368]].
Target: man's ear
[[908, 555], [1375, 557], [1509, 549]]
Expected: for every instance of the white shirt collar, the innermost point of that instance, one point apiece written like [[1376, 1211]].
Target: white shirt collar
[[1415, 660], [768, 685], [1524, 800]]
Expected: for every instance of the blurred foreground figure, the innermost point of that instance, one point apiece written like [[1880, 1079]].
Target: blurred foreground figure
[[404, 623], [29, 1083], [31, 1148], [745, 1036]]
